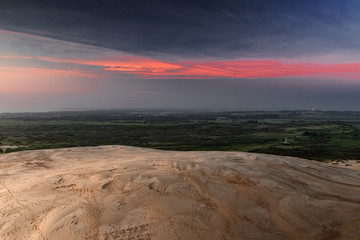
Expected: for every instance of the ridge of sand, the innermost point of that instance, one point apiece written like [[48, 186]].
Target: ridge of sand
[[118, 192]]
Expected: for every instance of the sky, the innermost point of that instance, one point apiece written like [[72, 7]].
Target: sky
[[202, 54]]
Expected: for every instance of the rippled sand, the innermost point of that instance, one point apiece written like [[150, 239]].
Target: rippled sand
[[117, 192]]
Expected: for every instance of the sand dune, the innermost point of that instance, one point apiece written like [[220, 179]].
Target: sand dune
[[117, 192]]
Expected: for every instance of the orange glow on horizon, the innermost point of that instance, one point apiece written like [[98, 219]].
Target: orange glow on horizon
[[39, 80]]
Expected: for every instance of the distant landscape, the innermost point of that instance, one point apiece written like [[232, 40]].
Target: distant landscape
[[315, 135]]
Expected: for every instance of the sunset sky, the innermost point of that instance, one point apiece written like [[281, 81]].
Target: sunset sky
[[259, 54]]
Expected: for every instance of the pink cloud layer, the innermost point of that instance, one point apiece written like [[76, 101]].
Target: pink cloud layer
[[233, 69], [153, 68], [259, 68], [41, 79]]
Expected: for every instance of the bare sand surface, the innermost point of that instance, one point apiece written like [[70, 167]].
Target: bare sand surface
[[117, 192]]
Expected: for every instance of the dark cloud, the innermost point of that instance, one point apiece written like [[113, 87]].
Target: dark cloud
[[211, 28]]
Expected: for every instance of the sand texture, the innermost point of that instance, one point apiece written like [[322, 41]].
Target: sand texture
[[117, 192]]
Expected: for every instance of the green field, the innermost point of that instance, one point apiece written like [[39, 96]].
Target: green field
[[311, 134]]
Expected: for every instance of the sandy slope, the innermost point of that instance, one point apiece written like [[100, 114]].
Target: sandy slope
[[116, 192]]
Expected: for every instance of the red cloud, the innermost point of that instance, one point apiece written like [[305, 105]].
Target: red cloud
[[152, 68], [259, 68]]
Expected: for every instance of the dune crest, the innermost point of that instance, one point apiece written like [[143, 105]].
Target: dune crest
[[118, 192]]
